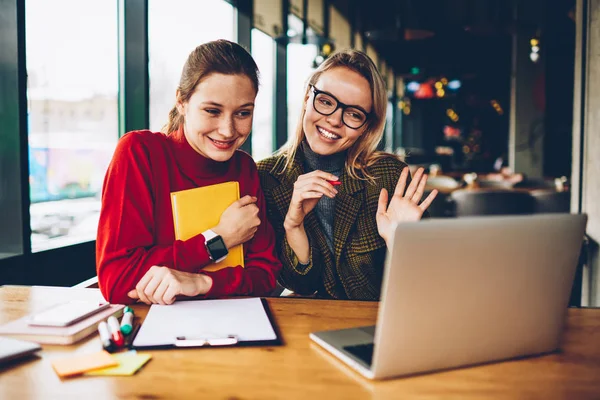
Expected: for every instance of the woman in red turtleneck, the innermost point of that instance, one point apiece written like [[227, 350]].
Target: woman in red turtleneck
[[137, 254]]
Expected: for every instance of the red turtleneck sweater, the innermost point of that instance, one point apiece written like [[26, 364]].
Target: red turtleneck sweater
[[136, 229]]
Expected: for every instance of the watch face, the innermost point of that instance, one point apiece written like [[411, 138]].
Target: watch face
[[216, 247]]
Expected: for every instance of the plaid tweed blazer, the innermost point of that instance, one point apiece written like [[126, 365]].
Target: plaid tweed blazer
[[355, 269]]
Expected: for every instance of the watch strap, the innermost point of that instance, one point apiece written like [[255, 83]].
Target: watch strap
[[209, 234]]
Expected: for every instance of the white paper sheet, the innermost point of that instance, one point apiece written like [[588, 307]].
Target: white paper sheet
[[245, 318]]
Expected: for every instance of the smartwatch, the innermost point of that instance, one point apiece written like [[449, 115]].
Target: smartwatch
[[215, 246]]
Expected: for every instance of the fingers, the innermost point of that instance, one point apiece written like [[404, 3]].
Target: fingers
[[150, 288], [132, 294], [141, 286], [317, 186], [317, 181], [412, 188], [319, 174], [310, 195], [382, 203], [170, 295], [399, 191], [420, 189], [246, 200], [427, 202], [158, 295]]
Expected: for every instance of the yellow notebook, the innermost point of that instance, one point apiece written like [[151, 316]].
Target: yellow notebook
[[196, 210]]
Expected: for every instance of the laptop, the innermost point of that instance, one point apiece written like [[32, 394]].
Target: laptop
[[11, 349], [466, 291]]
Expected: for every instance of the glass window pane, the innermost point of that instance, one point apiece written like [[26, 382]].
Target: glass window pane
[[389, 128], [263, 51], [175, 28], [340, 29], [300, 64], [72, 68]]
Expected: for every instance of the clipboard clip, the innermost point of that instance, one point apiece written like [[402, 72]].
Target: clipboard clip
[[184, 341]]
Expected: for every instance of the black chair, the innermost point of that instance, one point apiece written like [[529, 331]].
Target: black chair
[[442, 182], [535, 183], [547, 201], [441, 207], [491, 202], [492, 184]]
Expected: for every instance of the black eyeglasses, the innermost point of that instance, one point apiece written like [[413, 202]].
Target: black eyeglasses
[[354, 117]]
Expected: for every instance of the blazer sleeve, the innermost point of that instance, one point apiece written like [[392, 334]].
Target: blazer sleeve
[[125, 248], [303, 279], [262, 266]]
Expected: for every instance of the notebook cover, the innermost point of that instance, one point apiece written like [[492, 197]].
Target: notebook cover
[[20, 329], [196, 210]]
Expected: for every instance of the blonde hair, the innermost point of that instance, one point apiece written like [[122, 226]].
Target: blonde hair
[[219, 56], [363, 153]]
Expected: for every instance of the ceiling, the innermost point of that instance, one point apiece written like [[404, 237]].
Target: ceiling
[[447, 36]]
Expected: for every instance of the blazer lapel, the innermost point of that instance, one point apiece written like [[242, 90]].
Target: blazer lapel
[[347, 207], [282, 193]]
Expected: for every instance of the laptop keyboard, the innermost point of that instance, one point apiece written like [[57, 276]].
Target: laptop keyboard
[[362, 351]]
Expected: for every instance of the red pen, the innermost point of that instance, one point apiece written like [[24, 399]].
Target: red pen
[[335, 183], [115, 331]]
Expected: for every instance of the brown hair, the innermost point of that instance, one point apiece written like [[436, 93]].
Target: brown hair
[[362, 153], [219, 56]]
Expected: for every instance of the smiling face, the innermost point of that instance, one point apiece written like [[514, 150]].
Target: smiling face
[[327, 134], [218, 115]]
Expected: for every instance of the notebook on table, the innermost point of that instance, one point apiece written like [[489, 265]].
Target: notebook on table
[[22, 329], [11, 349], [196, 210]]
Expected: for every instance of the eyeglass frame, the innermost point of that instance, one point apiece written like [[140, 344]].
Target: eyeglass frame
[[341, 105]]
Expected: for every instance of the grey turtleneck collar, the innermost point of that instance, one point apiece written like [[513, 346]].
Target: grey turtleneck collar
[[333, 163]]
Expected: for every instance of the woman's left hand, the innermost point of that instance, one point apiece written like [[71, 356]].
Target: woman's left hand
[[402, 208], [161, 285]]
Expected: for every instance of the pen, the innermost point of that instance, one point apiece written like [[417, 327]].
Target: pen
[[335, 183], [130, 338], [107, 344], [115, 331], [127, 321]]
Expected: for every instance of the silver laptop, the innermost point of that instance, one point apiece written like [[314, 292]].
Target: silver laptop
[[11, 349], [465, 291]]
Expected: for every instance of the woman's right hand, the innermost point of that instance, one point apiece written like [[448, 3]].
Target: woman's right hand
[[308, 189], [239, 222]]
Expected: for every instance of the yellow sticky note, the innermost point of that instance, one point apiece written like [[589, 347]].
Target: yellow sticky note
[[79, 364], [128, 364]]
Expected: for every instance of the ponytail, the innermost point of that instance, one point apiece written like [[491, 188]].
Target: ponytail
[[175, 121]]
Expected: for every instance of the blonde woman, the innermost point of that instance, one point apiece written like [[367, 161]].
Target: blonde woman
[[327, 189]]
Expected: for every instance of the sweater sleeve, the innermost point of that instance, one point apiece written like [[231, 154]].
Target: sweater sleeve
[[125, 245], [259, 276]]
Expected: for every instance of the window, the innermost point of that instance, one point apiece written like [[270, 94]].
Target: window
[[72, 68], [175, 28], [263, 51], [389, 128], [300, 64], [300, 59]]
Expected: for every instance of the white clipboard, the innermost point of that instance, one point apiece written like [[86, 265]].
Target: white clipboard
[[200, 323]]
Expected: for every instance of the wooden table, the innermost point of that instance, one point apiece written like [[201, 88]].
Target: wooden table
[[299, 369]]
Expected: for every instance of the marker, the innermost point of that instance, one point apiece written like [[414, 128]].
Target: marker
[[115, 332], [335, 183], [107, 344], [127, 321]]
